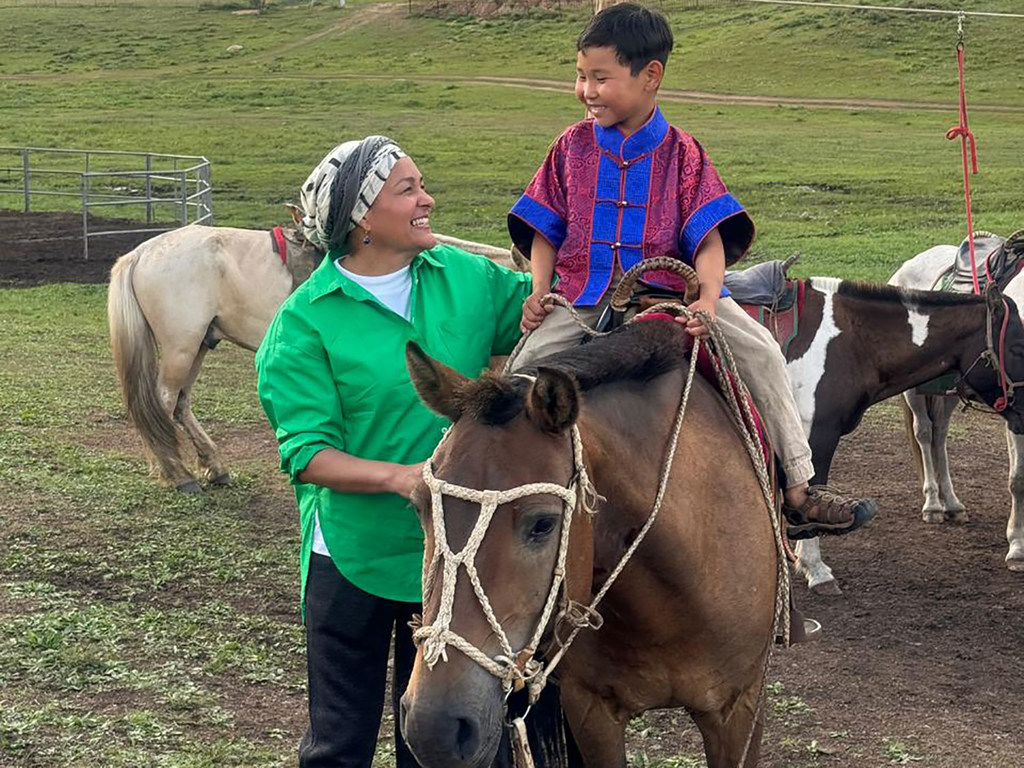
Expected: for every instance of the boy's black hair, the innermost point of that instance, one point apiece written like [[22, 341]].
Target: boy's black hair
[[639, 35]]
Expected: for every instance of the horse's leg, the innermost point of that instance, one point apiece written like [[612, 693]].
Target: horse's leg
[[211, 465], [809, 562], [597, 726], [810, 565], [1015, 524], [941, 409], [735, 732], [175, 370], [923, 433]]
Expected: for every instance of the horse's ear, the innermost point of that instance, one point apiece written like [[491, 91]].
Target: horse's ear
[[553, 403], [437, 385], [296, 213]]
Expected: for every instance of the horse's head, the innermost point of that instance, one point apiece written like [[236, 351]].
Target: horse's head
[[496, 510], [999, 366]]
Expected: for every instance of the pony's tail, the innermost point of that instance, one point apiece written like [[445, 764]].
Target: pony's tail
[[134, 350], [915, 449]]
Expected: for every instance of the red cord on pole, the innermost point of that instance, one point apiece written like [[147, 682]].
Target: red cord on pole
[[966, 137]]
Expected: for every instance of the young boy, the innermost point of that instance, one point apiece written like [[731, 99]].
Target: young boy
[[623, 185]]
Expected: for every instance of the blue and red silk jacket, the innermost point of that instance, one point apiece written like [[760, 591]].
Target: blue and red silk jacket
[[600, 196]]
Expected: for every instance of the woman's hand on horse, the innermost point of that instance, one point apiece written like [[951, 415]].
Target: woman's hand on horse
[[533, 311], [405, 478], [695, 325]]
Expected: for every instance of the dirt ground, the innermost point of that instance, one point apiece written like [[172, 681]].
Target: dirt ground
[[47, 247], [920, 659]]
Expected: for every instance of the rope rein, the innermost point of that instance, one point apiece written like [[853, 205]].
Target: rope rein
[[517, 669], [995, 356]]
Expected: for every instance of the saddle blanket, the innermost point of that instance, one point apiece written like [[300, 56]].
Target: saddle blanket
[[783, 323]]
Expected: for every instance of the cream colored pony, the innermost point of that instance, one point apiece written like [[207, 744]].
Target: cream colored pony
[[174, 298]]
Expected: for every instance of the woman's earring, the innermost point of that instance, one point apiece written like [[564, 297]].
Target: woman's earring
[[366, 239]]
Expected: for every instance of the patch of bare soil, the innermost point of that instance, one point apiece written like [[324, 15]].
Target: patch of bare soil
[[39, 248]]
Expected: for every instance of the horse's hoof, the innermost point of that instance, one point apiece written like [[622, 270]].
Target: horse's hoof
[[190, 487], [828, 588], [1017, 566], [959, 516], [224, 478], [933, 516]]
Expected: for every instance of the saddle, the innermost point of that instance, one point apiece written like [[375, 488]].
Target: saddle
[[762, 285], [1001, 255], [771, 298]]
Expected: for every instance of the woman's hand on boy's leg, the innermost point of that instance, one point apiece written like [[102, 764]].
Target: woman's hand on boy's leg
[[534, 311], [695, 325]]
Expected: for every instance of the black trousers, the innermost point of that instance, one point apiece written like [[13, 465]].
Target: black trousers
[[348, 635]]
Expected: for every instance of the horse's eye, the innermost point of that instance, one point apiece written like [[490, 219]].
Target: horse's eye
[[542, 528]]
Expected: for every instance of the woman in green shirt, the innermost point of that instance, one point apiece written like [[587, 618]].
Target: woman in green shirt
[[353, 434]]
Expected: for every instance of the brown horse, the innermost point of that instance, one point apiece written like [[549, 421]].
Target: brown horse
[[683, 626]]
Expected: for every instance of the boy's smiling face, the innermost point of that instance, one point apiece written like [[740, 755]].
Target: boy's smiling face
[[612, 94]]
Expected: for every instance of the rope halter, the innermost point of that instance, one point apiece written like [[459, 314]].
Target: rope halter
[[514, 668], [994, 355]]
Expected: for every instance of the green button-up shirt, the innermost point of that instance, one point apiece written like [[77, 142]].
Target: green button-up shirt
[[332, 375]]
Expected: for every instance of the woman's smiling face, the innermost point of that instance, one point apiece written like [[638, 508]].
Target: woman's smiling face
[[399, 219]]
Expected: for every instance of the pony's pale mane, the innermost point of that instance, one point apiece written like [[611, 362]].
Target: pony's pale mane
[[637, 352]]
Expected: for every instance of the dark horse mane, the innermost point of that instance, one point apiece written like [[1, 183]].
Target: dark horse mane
[[636, 352], [881, 292]]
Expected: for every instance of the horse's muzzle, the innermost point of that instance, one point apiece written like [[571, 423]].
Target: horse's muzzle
[[453, 729]]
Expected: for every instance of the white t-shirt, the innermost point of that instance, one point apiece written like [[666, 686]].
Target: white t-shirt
[[394, 291]]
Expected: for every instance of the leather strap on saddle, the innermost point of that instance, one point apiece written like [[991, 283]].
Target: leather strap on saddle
[[280, 244]]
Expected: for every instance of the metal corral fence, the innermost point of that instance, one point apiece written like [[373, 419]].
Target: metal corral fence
[[162, 191]]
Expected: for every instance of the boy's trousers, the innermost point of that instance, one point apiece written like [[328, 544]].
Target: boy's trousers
[[758, 358]]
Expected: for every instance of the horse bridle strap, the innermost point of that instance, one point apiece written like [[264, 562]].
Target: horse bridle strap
[[513, 668], [995, 356], [280, 244]]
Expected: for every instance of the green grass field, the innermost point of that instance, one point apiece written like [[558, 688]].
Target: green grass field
[[142, 628]]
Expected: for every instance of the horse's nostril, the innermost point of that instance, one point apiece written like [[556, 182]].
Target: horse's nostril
[[467, 738]]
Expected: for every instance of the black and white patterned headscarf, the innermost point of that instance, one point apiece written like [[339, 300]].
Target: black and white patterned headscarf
[[341, 189]]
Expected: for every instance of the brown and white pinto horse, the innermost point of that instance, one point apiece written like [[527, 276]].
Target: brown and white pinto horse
[[683, 626], [858, 344]]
